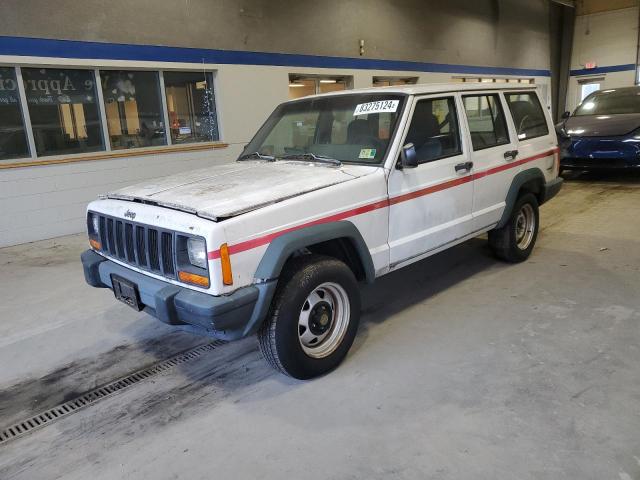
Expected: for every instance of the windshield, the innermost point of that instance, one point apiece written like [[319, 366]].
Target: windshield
[[610, 102], [345, 128]]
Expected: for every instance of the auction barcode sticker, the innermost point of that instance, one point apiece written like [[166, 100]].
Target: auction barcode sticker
[[380, 106]]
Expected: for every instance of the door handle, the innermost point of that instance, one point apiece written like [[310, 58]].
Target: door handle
[[464, 166], [510, 154]]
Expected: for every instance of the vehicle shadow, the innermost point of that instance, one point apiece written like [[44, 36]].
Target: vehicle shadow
[[236, 371], [418, 282], [603, 176]]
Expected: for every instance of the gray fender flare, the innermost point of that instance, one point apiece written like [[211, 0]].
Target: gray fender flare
[[526, 176], [281, 248]]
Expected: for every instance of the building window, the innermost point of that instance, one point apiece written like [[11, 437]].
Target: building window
[[63, 109], [13, 139], [304, 85], [191, 106], [587, 89], [394, 81], [301, 88], [133, 107]]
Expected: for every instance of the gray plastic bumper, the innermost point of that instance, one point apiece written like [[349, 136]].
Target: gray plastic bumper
[[227, 316]]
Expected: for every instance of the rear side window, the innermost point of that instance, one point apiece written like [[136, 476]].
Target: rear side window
[[487, 124], [434, 129], [527, 113]]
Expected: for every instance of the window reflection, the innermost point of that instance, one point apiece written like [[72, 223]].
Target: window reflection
[[63, 110], [191, 106], [13, 140], [133, 108]]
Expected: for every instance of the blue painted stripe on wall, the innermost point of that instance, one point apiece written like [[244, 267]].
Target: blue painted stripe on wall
[[610, 68], [39, 47]]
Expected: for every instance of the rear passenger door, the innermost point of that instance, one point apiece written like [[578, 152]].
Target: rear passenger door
[[494, 155], [430, 205], [533, 129]]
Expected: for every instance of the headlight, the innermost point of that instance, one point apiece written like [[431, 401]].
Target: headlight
[[95, 224], [197, 252], [93, 230]]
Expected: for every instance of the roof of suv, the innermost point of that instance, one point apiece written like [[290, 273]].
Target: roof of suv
[[426, 88]]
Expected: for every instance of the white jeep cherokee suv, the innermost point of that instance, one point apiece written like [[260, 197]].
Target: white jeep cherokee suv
[[333, 190]]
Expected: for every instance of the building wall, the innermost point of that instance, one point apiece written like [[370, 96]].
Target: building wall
[[482, 32], [447, 38], [609, 39]]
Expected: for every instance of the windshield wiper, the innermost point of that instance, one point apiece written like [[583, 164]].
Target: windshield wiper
[[312, 157], [257, 156]]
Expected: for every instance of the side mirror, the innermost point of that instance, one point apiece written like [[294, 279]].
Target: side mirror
[[566, 115], [408, 157]]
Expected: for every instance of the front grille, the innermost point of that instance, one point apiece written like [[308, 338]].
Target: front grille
[[143, 246]]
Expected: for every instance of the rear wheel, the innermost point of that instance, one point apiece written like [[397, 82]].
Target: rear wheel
[[313, 318], [515, 240]]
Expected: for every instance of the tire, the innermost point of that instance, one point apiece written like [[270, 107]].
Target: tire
[[321, 293], [515, 240]]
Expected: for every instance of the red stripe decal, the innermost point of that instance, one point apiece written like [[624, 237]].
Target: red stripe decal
[[259, 241]]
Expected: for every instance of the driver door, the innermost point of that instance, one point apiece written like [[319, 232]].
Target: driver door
[[431, 204]]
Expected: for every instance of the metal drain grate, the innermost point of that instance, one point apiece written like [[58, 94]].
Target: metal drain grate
[[91, 397]]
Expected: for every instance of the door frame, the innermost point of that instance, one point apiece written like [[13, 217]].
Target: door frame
[[466, 151]]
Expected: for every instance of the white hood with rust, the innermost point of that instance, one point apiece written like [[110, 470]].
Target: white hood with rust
[[224, 191]]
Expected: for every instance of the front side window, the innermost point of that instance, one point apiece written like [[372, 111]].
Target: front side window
[[63, 107], [191, 106], [434, 129], [133, 106], [485, 117], [527, 115], [350, 128], [13, 139]]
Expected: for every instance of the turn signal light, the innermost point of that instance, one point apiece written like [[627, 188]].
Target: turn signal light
[[95, 244], [225, 263], [194, 279]]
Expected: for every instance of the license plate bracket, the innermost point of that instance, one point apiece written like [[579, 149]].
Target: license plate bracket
[[127, 292]]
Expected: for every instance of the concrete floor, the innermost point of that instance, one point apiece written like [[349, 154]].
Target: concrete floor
[[464, 367]]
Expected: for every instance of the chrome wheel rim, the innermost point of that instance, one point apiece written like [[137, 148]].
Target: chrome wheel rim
[[323, 320], [525, 226]]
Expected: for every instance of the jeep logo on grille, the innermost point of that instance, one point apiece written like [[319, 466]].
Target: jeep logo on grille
[[130, 214]]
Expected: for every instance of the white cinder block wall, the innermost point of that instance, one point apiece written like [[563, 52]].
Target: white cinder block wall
[[610, 40]]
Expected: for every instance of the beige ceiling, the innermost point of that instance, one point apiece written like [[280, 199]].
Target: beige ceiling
[[585, 7]]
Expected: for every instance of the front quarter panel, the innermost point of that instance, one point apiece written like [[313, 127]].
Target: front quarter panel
[[361, 201]]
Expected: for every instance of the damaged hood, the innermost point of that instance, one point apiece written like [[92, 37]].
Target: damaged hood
[[228, 190]]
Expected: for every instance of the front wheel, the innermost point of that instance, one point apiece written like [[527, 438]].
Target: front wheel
[[313, 318], [514, 241]]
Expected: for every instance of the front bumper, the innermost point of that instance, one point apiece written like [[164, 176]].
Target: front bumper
[[228, 317], [599, 153]]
